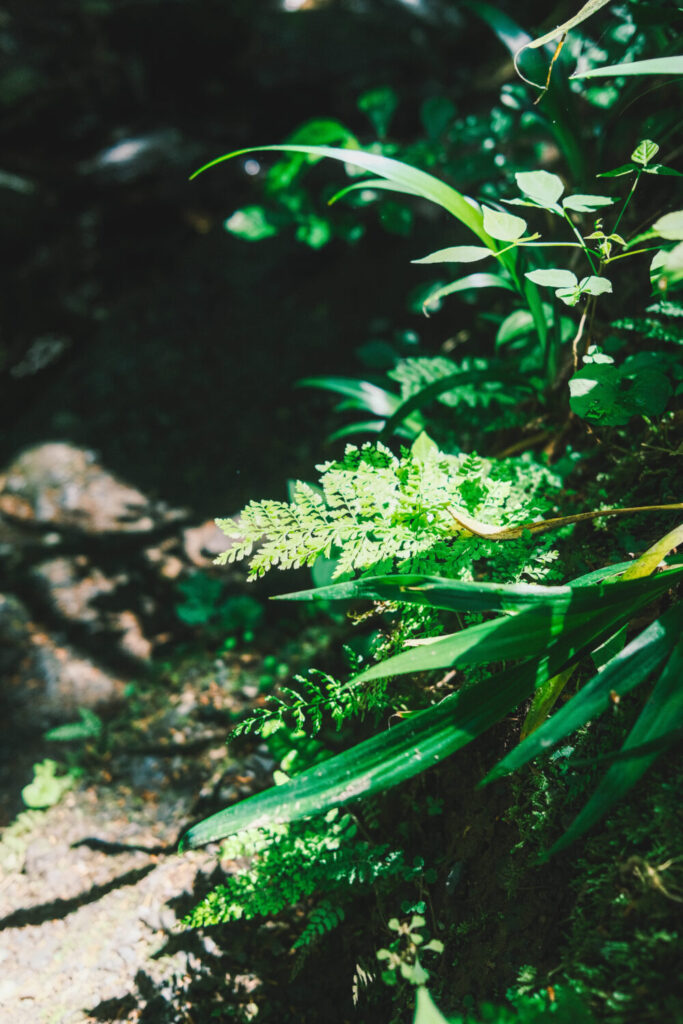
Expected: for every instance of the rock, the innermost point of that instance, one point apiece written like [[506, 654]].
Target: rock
[[202, 544], [81, 594], [60, 486], [44, 682], [15, 631], [59, 681], [75, 588]]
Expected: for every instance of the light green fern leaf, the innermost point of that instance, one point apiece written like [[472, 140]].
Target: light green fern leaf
[[377, 511]]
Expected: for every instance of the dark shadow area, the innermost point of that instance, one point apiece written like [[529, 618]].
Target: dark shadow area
[[61, 908]]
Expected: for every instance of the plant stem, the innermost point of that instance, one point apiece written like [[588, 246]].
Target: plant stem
[[627, 200], [583, 245]]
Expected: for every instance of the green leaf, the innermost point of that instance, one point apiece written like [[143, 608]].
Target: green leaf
[[662, 710], [89, 727], [423, 448], [380, 105], [439, 387], [670, 226], [594, 394], [419, 182], [662, 170], [644, 152], [426, 1012], [365, 395], [503, 225], [586, 204], [372, 185], [655, 66], [666, 269], [456, 254], [630, 667], [553, 278], [518, 324], [426, 737], [463, 284], [250, 223], [595, 285], [618, 172], [541, 186]]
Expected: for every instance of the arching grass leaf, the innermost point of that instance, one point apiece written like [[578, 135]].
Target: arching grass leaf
[[655, 66]]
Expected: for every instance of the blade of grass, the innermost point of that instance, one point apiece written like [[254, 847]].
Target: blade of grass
[[626, 670], [663, 709], [401, 752]]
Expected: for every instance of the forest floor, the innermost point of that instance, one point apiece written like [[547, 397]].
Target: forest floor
[[92, 890]]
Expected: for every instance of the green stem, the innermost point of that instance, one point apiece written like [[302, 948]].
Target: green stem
[[635, 252], [627, 200], [583, 245]]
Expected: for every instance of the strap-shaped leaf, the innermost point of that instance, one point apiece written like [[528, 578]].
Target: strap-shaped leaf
[[408, 748], [373, 185], [628, 669], [585, 594], [481, 280], [653, 728], [409, 178], [654, 66]]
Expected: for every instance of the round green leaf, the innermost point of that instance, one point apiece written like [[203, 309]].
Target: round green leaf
[[553, 278], [593, 395], [595, 285], [541, 186], [457, 254], [670, 225], [503, 225]]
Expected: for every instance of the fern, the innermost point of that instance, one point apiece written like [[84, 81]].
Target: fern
[[376, 511], [322, 919], [312, 698], [278, 867], [651, 329], [416, 372]]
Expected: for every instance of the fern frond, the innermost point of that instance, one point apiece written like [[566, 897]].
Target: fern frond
[[380, 512]]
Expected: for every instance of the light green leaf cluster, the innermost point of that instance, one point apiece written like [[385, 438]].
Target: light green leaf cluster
[[378, 511]]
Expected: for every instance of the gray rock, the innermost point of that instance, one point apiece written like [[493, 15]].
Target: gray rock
[[60, 486]]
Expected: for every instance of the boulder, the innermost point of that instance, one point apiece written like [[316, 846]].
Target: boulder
[[59, 486]]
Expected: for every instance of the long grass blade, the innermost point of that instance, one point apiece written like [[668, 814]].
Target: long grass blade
[[663, 710], [632, 666], [407, 749]]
